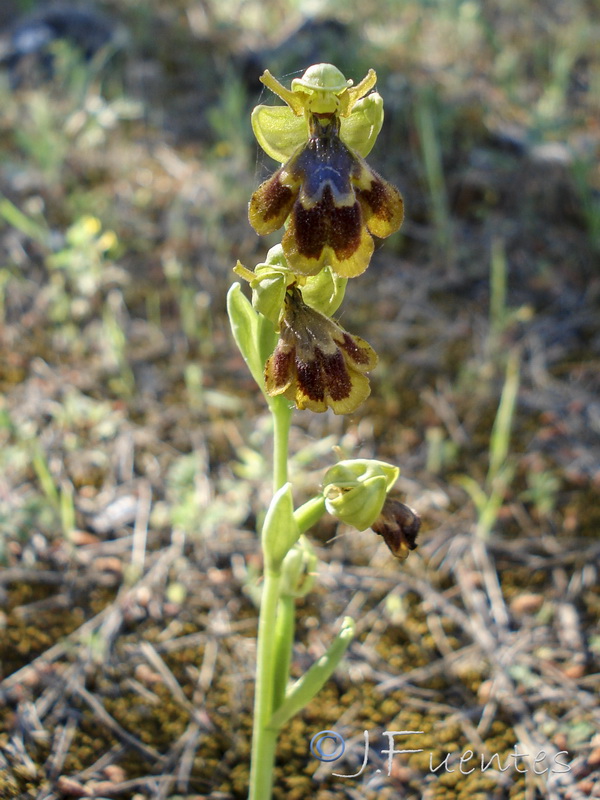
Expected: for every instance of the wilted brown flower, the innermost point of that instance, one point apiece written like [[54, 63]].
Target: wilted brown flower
[[399, 526], [316, 363]]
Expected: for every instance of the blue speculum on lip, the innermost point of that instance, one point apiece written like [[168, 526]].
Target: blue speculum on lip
[[325, 161], [316, 363], [334, 200]]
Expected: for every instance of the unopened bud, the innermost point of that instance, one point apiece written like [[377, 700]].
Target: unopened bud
[[298, 569], [355, 490]]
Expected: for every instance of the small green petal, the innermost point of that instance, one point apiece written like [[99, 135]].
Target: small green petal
[[268, 295]]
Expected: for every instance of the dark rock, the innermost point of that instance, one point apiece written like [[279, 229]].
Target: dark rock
[[25, 48]]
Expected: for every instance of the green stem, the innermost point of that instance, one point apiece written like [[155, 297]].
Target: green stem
[[271, 643], [284, 639], [264, 739], [282, 417], [310, 513]]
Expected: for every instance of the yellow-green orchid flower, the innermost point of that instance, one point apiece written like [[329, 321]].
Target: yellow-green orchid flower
[[333, 199], [316, 363]]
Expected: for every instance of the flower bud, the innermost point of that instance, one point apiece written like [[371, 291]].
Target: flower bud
[[298, 569], [325, 291], [269, 283], [355, 490], [271, 278]]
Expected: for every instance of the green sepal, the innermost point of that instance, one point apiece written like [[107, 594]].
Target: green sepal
[[280, 530], [268, 282], [268, 294], [355, 490], [306, 687], [323, 78], [275, 258], [254, 334], [325, 291], [282, 130], [279, 131], [360, 506]]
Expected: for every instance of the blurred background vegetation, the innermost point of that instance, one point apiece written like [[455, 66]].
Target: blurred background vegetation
[[134, 447]]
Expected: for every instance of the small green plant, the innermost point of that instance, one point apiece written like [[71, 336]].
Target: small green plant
[[488, 498], [431, 151], [332, 204], [45, 504], [66, 114], [79, 262], [22, 222], [589, 195], [501, 316], [542, 491], [114, 319], [80, 268]]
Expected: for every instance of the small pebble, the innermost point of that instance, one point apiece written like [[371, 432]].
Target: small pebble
[[526, 603], [70, 787], [115, 773]]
